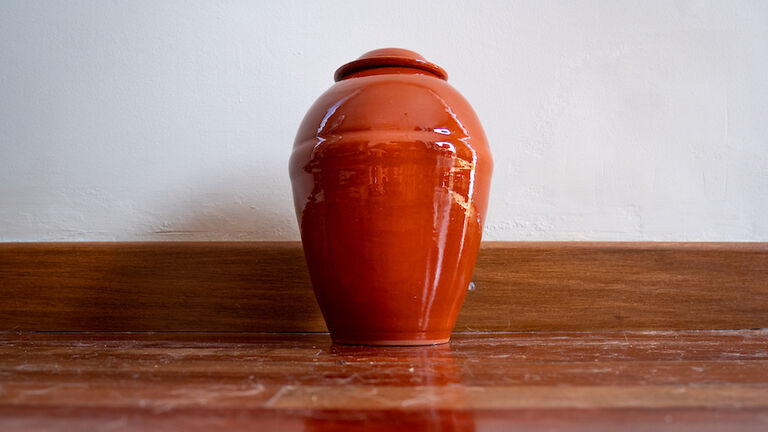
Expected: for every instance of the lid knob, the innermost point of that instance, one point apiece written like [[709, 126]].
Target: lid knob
[[384, 57]]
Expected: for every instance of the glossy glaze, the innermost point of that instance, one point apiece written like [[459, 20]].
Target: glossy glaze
[[391, 173]]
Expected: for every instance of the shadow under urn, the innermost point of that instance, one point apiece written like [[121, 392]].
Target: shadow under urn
[[390, 172]]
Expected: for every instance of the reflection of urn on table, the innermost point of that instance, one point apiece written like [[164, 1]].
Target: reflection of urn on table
[[391, 172], [419, 389]]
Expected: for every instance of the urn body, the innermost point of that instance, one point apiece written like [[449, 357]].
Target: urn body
[[390, 173]]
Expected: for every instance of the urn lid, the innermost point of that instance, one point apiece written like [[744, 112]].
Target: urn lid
[[389, 57]]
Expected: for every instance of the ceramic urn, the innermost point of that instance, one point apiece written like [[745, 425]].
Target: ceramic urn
[[390, 173]]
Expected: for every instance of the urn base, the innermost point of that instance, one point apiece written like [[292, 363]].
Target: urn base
[[407, 339]]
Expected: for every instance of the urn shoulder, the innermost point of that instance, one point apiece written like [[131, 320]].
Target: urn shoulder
[[391, 92]]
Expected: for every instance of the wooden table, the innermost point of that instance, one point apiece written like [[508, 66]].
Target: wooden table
[[591, 381]]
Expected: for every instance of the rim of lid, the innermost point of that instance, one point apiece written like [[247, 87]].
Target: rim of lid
[[389, 57]]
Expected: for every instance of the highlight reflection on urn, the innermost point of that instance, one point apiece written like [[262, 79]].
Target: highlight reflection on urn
[[391, 172]]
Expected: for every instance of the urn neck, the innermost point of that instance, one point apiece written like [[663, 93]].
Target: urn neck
[[389, 61], [390, 70]]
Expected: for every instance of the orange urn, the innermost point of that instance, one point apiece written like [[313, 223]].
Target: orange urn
[[390, 172]]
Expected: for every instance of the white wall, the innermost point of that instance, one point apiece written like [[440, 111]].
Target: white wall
[[608, 120]]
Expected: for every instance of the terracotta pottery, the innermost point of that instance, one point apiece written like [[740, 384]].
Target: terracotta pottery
[[391, 172]]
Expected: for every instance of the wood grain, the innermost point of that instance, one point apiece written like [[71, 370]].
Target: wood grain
[[652, 380], [264, 287]]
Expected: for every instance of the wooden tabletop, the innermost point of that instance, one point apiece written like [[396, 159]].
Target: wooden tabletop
[[653, 380]]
